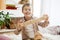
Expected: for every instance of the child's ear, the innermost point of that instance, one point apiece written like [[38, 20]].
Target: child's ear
[[22, 12]]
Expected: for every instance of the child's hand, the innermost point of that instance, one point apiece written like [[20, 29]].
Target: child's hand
[[46, 16], [19, 25], [18, 28]]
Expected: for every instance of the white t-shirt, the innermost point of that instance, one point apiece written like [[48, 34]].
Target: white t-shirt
[[30, 31]]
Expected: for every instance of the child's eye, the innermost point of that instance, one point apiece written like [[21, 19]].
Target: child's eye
[[29, 9], [25, 9]]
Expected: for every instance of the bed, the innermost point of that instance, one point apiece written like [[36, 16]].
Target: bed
[[48, 34]]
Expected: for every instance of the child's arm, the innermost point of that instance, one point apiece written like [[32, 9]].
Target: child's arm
[[43, 24], [19, 27]]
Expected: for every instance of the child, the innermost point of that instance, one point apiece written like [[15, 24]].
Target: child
[[28, 32]]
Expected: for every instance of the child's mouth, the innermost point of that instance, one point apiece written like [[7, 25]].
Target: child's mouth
[[28, 13]]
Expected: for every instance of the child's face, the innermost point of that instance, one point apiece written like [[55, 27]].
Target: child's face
[[27, 11]]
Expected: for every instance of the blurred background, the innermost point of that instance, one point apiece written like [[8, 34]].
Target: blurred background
[[39, 7]]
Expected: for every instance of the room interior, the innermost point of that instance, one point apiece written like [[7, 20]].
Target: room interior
[[39, 8]]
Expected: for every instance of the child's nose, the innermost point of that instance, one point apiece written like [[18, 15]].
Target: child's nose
[[27, 10]]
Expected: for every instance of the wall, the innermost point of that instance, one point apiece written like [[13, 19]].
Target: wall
[[37, 8], [55, 12], [52, 8]]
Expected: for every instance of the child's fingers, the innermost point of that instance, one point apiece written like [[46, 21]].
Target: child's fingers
[[46, 16], [20, 26]]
